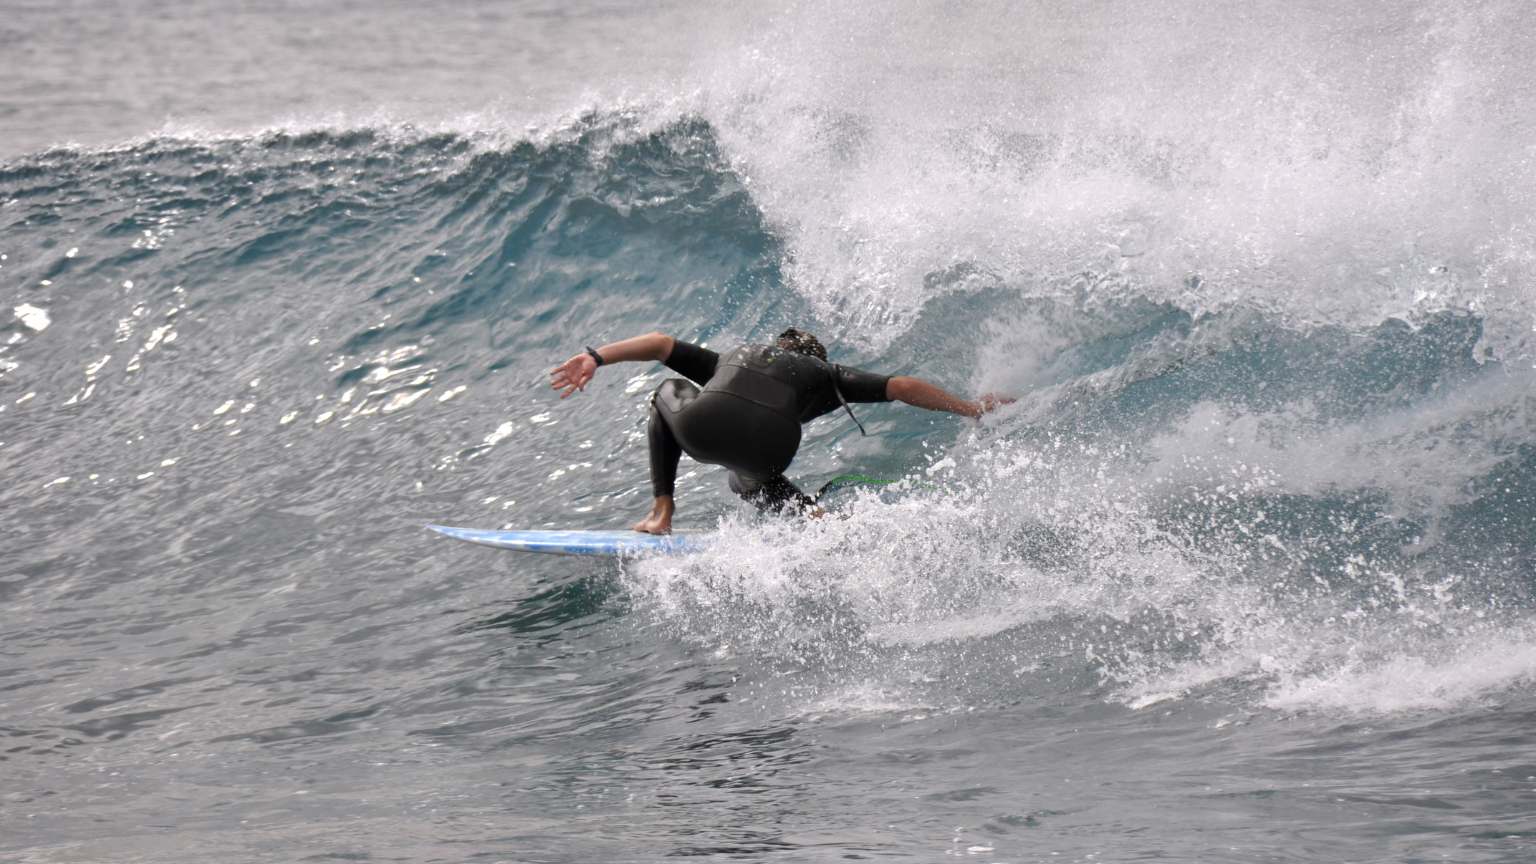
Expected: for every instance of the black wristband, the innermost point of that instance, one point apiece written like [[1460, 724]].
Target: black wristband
[[595, 356]]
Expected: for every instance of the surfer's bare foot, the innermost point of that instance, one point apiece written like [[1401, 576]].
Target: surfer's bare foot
[[659, 521]]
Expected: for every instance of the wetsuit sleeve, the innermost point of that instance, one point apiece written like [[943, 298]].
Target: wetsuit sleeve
[[693, 362], [860, 386]]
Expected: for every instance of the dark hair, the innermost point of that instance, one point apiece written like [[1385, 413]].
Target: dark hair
[[803, 343]]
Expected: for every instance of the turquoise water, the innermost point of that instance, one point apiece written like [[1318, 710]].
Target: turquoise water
[[1245, 573]]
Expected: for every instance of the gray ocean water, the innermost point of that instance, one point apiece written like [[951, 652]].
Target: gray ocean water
[[1244, 575]]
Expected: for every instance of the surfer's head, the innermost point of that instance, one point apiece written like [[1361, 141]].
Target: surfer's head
[[803, 343]]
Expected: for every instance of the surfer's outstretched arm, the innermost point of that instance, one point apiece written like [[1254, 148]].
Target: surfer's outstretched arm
[[573, 374], [920, 393]]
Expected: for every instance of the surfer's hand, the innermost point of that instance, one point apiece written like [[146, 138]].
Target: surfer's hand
[[993, 401], [573, 374]]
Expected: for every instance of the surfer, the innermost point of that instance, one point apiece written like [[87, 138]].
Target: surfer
[[747, 415]]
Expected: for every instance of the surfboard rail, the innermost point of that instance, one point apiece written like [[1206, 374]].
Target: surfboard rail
[[606, 544]]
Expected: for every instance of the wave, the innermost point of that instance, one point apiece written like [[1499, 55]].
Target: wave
[[1201, 491]]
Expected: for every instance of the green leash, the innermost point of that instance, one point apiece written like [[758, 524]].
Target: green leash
[[842, 481]]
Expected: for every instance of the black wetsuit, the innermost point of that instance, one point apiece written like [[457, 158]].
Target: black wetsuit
[[747, 416]]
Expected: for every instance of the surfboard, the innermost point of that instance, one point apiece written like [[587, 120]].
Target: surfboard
[[608, 544]]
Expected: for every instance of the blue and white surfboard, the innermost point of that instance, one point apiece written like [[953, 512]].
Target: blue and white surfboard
[[610, 544]]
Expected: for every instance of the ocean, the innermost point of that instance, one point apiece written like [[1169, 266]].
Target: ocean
[[1245, 574]]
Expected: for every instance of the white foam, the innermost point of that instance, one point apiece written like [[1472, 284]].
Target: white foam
[[33, 317], [1456, 676], [1424, 455], [1311, 161], [1043, 553]]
